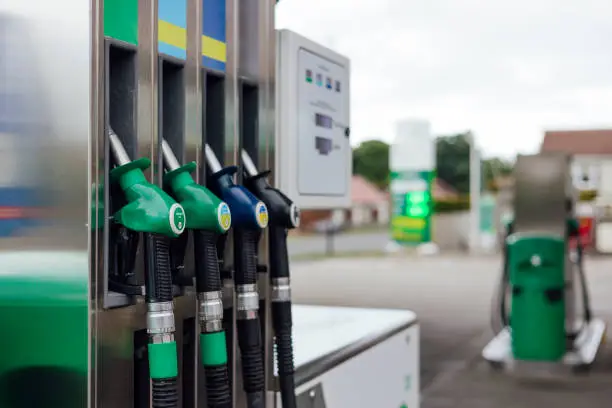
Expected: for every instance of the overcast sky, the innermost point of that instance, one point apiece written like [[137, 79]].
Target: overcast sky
[[506, 70]]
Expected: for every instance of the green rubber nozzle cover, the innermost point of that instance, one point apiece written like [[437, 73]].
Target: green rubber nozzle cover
[[163, 362], [203, 209], [149, 208], [537, 277], [213, 349]]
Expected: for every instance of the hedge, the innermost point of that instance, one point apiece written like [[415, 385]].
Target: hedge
[[452, 205]]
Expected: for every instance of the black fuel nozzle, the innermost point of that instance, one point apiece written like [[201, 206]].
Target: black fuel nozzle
[[284, 215], [249, 218]]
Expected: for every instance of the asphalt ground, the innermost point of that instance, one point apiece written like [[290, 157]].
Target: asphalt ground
[[452, 296]]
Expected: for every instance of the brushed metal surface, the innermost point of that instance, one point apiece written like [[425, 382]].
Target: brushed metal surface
[[230, 157], [541, 189]]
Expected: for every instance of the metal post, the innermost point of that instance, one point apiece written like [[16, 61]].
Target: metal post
[[475, 186]]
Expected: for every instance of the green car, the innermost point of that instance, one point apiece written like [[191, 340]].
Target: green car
[[44, 320]]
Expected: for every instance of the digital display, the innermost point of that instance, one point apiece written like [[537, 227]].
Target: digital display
[[323, 121]]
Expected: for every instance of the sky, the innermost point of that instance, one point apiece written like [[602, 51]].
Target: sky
[[505, 70]]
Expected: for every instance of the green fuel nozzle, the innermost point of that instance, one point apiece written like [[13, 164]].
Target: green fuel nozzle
[[284, 215], [154, 213], [207, 218]]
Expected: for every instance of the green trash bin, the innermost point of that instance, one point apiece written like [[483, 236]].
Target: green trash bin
[[538, 297]]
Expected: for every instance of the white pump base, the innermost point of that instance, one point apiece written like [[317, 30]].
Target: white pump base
[[498, 352]]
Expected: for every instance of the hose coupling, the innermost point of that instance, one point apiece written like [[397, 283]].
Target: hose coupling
[[210, 311], [160, 318], [281, 290], [247, 302]]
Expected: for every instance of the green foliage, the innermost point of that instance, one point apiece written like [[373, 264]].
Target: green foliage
[[461, 203], [453, 164], [371, 161], [453, 161], [493, 169]]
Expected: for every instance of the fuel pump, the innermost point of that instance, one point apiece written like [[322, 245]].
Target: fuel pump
[[284, 215], [535, 313], [152, 212], [207, 218], [250, 217]]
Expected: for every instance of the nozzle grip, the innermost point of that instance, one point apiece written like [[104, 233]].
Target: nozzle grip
[[245, 256], [208, 277], [279, 255]]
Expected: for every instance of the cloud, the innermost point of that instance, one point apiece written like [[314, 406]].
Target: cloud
[[506, 70]]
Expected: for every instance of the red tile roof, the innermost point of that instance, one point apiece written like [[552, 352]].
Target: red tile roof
[[597, 141], [364, 192]]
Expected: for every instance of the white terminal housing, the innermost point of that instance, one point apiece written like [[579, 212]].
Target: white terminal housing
[[313, 149]]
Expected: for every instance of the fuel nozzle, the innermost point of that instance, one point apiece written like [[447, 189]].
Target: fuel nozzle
[[207, 218], [284, 215], [249, 218], [149, 210]]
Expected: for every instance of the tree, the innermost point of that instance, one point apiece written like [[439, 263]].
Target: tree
[[493, 169], [453, 161], [371, 161]]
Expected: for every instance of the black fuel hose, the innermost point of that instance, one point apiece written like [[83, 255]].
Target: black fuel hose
[[228, 309], [158, 284], [284, 215], [499, 305], [281, 318], [214, 357], [247, 320]]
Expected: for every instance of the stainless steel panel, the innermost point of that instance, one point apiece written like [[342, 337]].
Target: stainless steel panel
[[116, 329], [97, 156], [541, 189], [266, 58], [193, 84], [252, 21], [193, 147], [231, 155], [147, 71]]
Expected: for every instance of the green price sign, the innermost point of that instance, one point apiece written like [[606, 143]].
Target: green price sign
[[418, 204], [412, 206]]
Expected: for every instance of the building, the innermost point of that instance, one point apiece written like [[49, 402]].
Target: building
[[370, 206], [592, 154]]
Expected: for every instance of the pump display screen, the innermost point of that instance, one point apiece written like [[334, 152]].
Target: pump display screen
[[323, 121]]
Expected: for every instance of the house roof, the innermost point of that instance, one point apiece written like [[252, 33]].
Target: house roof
[[441, 189], [364, 192], [597, 141]]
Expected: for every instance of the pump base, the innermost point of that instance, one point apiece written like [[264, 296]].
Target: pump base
[[499, 351]]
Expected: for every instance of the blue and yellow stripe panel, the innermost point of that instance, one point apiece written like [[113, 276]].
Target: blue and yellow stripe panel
[[172, 31]]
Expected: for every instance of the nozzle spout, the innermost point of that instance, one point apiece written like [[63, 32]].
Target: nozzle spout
[[211, 159], [121, 156], [170, 160], [249, 166]]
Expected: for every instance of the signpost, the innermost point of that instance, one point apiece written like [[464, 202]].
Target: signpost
[[412, 206], [412, 165]]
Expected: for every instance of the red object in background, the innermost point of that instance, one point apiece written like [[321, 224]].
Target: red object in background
[[585, 231]]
